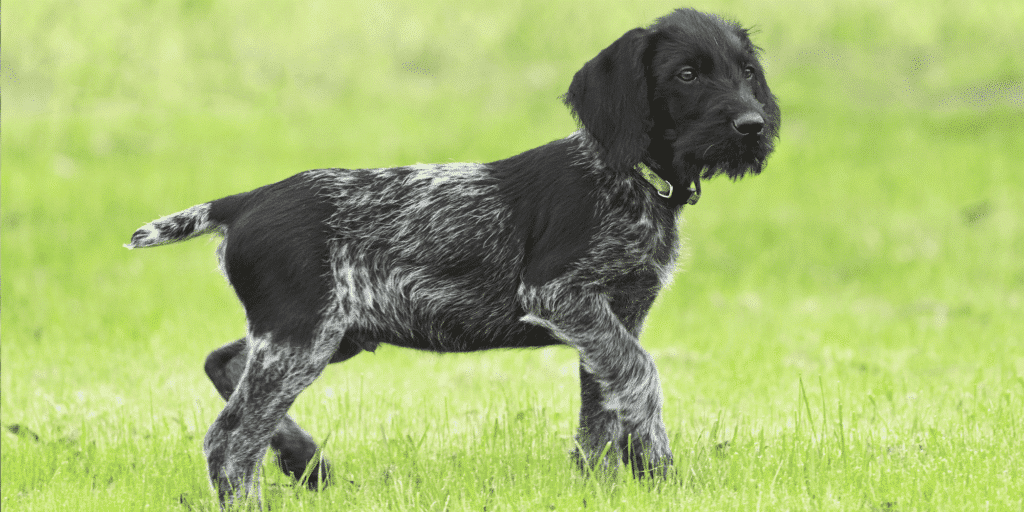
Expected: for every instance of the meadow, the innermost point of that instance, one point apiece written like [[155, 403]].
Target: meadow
[[846, 331]]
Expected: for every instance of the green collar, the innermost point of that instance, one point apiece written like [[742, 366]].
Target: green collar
[[665, 189]]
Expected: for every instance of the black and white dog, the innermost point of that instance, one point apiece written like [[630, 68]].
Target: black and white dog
[[568, 243]]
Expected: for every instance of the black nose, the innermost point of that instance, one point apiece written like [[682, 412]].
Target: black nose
[[748, 123]]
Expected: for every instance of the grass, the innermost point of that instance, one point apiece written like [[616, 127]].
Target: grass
[[846, 333]]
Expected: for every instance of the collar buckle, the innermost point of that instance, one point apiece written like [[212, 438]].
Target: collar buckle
[[667, 194], [665, 189]]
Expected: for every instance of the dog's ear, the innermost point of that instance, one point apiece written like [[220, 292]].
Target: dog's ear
[[609, 98]]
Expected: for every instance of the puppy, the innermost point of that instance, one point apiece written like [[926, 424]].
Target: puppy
[[565, 244]]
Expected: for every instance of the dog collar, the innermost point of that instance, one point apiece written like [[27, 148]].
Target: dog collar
[[665, 189]]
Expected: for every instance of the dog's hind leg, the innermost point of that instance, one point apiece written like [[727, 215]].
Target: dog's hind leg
[[293, 447], [275, 372]]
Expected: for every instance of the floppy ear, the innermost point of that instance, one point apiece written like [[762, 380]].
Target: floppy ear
[[609, 98]]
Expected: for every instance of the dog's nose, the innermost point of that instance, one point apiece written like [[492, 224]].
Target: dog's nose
[[748, 123]]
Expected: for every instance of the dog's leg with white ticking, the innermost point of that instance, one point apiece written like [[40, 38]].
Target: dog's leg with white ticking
[[293, 446], [598, 425], [621, 409], [296, 324], [276, 371]]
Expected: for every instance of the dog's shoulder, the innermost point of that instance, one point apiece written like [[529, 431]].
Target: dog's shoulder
[[550, 191]]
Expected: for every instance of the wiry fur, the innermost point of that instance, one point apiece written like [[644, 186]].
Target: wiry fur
[[562, 244]]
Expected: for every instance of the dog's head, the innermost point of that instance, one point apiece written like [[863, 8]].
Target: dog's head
[[686, 96]]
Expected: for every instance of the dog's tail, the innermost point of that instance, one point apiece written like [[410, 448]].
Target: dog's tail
[[200, 219]]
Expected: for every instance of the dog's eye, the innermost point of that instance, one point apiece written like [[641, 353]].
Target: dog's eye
[[748, 72], [687, 74]]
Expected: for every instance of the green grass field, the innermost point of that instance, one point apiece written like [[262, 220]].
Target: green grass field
[[846, 331]]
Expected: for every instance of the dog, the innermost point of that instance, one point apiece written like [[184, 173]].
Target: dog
[[565, 244]]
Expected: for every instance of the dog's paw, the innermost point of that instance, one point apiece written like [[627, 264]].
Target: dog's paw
[[314, 472], [652, 462], [647, 452]]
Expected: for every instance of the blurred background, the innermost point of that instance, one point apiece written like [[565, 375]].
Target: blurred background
[[882, 246]]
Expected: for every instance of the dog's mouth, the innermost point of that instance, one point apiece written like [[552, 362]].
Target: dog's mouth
[[734, 157], [734, 164]]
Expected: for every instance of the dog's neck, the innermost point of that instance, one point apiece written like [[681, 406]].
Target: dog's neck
[[671, 193]]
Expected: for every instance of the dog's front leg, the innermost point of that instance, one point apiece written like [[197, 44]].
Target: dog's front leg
[[598, 425], [620, 414]]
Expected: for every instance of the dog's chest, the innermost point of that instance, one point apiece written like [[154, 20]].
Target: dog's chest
[[635, 248]]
